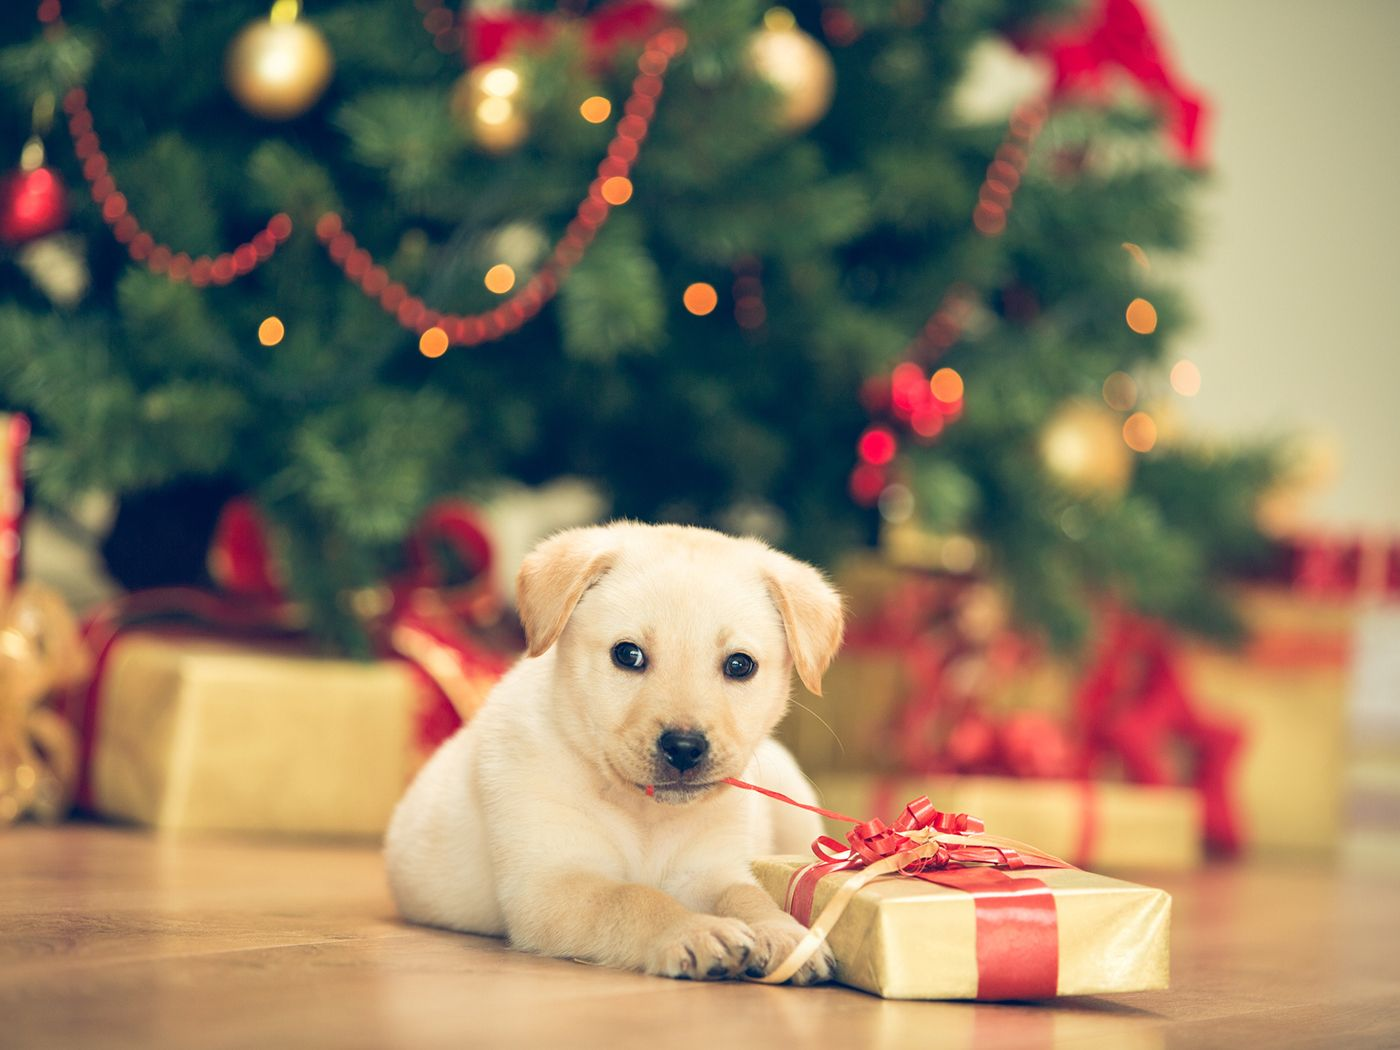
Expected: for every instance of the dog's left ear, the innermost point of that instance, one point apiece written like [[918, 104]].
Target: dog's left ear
[[812, 616], [553, 578]]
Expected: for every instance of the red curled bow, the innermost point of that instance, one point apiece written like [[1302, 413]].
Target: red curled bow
[[960, 840], [932, 840]]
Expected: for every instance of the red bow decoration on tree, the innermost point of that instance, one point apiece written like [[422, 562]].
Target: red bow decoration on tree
[[491, 35], [1118, 34]]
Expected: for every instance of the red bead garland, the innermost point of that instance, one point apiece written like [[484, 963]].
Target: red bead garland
[[906, 394], [469, 329], [140, 245]]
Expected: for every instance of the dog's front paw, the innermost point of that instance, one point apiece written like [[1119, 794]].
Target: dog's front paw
[[703, 947], [774, 939]]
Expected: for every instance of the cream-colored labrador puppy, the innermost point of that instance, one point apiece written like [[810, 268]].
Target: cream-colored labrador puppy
[[658, 655]]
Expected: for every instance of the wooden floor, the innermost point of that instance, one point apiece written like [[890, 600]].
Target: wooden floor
[[121, 938]]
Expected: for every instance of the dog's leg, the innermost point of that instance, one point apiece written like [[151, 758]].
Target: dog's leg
[[579, 914]]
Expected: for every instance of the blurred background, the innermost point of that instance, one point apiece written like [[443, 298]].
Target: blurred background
[[1053, 331]]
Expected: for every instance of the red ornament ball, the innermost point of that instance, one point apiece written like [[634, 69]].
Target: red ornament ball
[[32, 203]]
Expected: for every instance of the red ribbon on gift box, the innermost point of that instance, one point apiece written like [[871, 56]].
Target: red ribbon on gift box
[[1365, 567], [424, 622], [1134, 702], [1018, 949]]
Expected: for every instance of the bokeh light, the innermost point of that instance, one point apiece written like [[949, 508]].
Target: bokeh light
[[595, 109], [495, 111], [1120, 391], [1186, 378], [959, 554], [433, 343], [700, 298], [500, 279], [896, 503], [271, 331], [617, 190], [1140, 432], [866, 484], [927, 424], [1142, 317], [500, 82], [947, 385], [877, 446]]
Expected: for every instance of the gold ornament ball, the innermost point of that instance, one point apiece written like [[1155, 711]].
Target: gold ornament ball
[[488, 104], [1082, 446], [799, 69], [277, 70]]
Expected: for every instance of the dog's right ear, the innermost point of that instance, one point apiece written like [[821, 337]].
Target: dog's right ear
[[553, 578]]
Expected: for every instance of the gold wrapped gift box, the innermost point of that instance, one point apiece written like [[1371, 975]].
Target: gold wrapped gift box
[[903, 938], [195, 733], [1287, 690], [1099, 824]]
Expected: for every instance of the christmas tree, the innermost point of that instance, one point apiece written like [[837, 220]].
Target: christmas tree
[[351, 259]]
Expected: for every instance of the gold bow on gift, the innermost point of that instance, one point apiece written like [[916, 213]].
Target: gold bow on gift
[[41, 650]]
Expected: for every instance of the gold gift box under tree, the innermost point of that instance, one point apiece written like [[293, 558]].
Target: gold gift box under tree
[[198, 733]]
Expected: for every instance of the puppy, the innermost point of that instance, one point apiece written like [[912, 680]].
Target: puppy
[[658, 656]]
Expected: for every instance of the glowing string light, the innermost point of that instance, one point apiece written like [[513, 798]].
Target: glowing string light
[[1186, 378], [877, 446], [700, 298], [595, 109], [1140, 432], [617, 190], [1141, 317], [433, 342], [500, 279], [271, 331], [947, 385]]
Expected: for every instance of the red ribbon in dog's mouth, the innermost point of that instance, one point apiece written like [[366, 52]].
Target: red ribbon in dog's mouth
[[650, 789]]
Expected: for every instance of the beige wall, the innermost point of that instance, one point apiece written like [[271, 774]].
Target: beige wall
[[1296, 282]]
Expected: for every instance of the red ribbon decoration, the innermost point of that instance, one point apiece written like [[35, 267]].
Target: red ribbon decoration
[[1018, 950], [1118, 34], [1134, 702], [491, 35], [423, 626], [1340, 566]]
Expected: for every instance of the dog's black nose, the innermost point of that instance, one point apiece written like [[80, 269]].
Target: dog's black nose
[[682, 749]]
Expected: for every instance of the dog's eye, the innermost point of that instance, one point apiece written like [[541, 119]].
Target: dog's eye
[[739, 665], [629, 656]]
